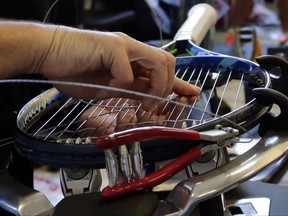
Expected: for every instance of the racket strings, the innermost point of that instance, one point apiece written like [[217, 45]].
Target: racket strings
[[73, 119], [53, 116], [180, 118], [186, 111], [238, 92], [210, 96], [123, 114], [221, 98], [205, 112]]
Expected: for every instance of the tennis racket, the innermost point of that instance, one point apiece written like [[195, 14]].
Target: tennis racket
[[65, 132]]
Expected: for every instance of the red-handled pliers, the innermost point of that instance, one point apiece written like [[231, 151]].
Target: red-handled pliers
[[221, 136]]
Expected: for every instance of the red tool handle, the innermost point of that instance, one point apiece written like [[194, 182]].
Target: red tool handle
[[153, 179], [144, 133]]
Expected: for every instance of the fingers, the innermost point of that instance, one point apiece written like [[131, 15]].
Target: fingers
[[119, 63], [168, 63], [184, 88], [156, 65], [158, 80], [128, 58]]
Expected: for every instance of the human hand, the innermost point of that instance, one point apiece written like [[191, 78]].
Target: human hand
[[104, 58], [111, 59]]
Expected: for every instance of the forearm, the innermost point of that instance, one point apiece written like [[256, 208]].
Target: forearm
[[23, 46]]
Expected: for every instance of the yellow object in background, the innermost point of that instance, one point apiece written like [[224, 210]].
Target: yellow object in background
[[258, 51]]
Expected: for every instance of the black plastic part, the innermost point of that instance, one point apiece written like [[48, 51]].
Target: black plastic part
[[212, 207], [273, 64], [142, 204], [269, 121]]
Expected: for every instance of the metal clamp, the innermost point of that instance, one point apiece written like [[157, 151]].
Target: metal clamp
[[223, 136], [79, 181]]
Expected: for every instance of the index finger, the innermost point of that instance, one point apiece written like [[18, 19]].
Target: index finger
[[161, 75], [184, 88], [158, 78]]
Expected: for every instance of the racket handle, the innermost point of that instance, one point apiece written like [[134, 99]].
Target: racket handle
[[153, 179], [201, 18], [144, 133]]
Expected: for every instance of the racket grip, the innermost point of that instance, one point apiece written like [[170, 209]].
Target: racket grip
[[201, 18], [144, 133], [153, 179]]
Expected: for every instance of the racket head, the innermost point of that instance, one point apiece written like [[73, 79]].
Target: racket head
[[49, 125]]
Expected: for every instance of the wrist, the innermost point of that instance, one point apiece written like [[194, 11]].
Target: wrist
[[23, 47]]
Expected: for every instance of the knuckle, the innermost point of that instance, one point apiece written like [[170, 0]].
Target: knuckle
[[172, 60], [118, 39], [162, 59], [166, 58]]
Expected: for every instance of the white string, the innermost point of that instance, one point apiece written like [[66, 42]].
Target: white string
[[48, 12], [94, 86]]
